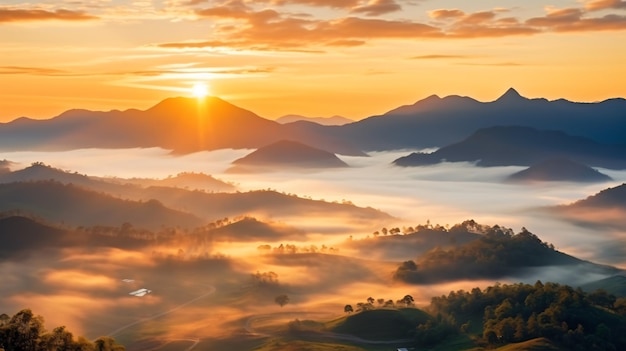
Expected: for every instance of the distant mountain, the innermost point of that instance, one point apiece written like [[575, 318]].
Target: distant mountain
[[325, 121], [180, 124], [188, 124], [76, 206], [286, 154], [559, 170], [521, 146], [435, 121]]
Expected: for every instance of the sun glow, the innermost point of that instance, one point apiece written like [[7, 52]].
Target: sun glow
[[200, 90]]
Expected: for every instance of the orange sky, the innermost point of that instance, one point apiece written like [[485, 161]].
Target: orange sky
[[354, 58]]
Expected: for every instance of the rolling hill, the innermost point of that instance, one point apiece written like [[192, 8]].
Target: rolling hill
[[521, 146], [76, 206], [325, 121], [606, 209], [286, 154], [497, 254], [559, 170]]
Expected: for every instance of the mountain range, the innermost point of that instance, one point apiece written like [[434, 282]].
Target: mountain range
[[186, 125]]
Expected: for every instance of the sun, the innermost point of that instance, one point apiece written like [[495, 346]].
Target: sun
[[200, 90]]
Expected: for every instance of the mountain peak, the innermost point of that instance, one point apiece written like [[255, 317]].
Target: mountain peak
[[511, 95]]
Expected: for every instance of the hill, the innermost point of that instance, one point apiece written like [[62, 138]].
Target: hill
[[498, 253], [325, 121], [436, 122], [559, 170], [404, 247], [605, 209], [264, 203], [615, 285], [183, 125], [20, 234], [381, 324], [521, 146], [73, 205], [186, 180], [286, 154]]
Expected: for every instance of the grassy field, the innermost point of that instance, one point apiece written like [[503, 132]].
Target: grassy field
[[381, 324]]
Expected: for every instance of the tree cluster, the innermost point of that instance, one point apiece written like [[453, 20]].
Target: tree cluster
[[294, 249], [519, 312], [26, 332]]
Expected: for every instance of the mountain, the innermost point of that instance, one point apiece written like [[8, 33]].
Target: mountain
[[559, 170], [76, 206], [180, 124], [286, 154], [325, 121], [435, 121], [521, 146]]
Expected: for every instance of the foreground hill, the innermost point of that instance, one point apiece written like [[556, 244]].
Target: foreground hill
[[559, 170], [73, 205], [180, 124], [286, 154], [521, 146]]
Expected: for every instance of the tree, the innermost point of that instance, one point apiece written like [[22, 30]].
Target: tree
[[407, 300], [370, 300], [348, 309], [282, 300]]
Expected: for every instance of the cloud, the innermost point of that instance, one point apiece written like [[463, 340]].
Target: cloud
[[378, 7], [572, 20], [32, 70], [242, 26], [444, 14], [21, 15], [438, 57], [596, 5]]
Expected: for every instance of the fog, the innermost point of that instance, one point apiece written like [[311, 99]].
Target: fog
[[208, 291], [444, 194]]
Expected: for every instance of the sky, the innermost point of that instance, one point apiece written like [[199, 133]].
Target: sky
[[354, 58]]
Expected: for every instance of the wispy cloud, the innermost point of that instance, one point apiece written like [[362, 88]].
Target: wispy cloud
[[21, 15]]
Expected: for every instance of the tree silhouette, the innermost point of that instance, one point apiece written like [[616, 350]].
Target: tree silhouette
[[348, 309], [282, 300]]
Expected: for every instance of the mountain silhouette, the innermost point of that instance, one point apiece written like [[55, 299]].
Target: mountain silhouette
[[325, 121], [180, 124], [436, 122], [286, 154], [559, 169], [521, 146], [189, 124]]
